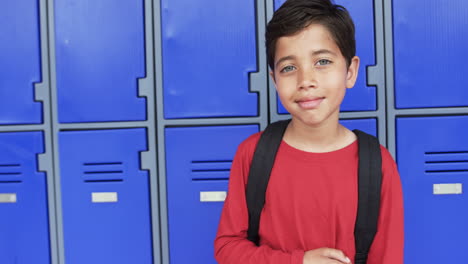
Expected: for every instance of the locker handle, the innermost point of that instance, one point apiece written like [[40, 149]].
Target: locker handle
[[213, 196], [7, 197], [447, 188], [104, 197]]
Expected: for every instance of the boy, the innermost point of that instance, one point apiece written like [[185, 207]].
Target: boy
[[311, 200]]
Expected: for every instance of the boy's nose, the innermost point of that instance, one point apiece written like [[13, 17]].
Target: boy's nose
[[307, 79]]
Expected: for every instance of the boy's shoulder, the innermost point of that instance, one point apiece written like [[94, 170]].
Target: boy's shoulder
[[245, 152], [385, 153], [388, 163], [249, 144]]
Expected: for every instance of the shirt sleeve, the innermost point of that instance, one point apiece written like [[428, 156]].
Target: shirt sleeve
[[231, 243], [387, 247]]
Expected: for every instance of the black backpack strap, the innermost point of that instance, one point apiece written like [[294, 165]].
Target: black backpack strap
[[369, 186], [259, 174]]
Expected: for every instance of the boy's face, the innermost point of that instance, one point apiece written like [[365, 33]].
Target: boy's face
[[311, 75]]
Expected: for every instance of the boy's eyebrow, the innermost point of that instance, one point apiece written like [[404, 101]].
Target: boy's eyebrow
[[323, 51], [290, 57], [315, 53]]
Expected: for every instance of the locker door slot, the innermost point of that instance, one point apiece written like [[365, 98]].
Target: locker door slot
[[9, 173], [10, 165], [2, 181], [116, 180], [103, 171], [10, 169], [446, 162], [211, 170]]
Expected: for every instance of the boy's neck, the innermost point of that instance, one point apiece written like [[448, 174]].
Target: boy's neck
[[324, 137]]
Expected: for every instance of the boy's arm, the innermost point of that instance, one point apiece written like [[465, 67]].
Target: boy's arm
[[231, 244], [387, 247]]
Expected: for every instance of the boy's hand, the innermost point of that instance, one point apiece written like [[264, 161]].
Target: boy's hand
[[325, 256]]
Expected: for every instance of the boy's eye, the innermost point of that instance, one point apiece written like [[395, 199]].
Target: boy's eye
[[323, 62], [287, 68]]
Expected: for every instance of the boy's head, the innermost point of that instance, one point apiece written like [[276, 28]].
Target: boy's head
[[311, 54], [295, 15]]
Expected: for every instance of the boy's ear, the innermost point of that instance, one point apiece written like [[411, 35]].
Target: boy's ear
[[272, 75], [352, 72]]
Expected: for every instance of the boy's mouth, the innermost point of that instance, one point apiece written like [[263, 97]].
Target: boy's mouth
[[310, 102]]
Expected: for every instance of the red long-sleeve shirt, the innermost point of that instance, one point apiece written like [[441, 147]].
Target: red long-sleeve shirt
[[311, 202]]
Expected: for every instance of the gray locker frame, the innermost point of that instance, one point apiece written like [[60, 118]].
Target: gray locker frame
[[257, 84], [148, 158], [44, 160]]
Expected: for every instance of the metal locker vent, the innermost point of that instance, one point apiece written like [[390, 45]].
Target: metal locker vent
[[204, 170], [10, 170], [103, 171], [446, 162]]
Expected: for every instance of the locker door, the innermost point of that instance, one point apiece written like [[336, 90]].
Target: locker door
[[105, 197], [430, 39], [366, 125], [24, 225], [362, 97], [20, 63], [432, 155], [208, 54], [198, 161], [99, 57]]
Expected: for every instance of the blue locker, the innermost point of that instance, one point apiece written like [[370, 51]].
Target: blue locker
[[20, 63], [100, 54], [430, 40], [105, 197], [208, 53], [198, 161], [362, 97], [24, 225], [366, 125], [433, 151]]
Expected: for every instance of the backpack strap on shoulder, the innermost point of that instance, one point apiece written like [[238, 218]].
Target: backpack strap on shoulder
[[369, 186], [259, 174]]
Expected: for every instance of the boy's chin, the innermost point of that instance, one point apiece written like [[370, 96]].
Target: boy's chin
[[316, 120], [310, 121]]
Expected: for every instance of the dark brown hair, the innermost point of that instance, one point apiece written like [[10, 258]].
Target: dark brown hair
[[295, 15]]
